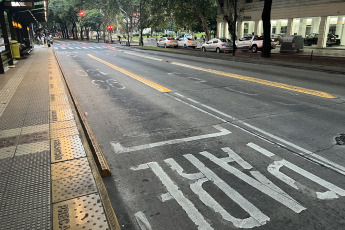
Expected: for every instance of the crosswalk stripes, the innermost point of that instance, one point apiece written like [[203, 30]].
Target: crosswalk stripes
[[79, 48]]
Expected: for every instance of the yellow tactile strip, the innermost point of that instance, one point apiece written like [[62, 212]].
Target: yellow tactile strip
[[77, 204]]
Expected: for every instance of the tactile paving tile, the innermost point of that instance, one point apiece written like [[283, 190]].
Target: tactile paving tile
[[70, 168], [62, 125], [61, 115], [80, 213], [35, 129], [21, 177], [39, 103], [33, 137], [71, 187], [66, 148], [58, 97], [5, 165], [10, 132], [25, 198], [3, 181], [33, 219], [31, 160], [64, 132], [39, 118], [7, 152], [34, 147]]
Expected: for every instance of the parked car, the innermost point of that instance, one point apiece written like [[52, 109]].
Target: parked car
[[253, 43], [187, 42], [312, 39], [217, 44], [278, 38], [167, 42]]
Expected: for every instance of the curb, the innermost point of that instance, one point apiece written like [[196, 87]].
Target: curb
[[97, 153]]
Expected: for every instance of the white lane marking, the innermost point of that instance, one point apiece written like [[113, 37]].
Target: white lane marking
[[241, 92], [85, 48], [63, 48], [197, 79], [276, 165], [261, 150], [175, 192], [71, 48], [144, 224], [305, 153], [282, 103], [78, 48], [257, 218], [281, 198], [118, 148]]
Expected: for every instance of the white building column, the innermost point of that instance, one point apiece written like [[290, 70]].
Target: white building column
[[323, 31], [289, 27], [226, 30], [315, 25], [342, 38], [339, 26], [240, 30], [278, 26], [256, 29], [302, 27]]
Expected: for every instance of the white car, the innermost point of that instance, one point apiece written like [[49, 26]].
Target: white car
[[187, 42], [167, 42], [218, 45]]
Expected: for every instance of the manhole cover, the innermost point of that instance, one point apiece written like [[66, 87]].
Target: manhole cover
[[341, 139]]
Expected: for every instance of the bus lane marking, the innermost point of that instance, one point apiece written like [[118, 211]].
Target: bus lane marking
[[333, 190], [118, 148]]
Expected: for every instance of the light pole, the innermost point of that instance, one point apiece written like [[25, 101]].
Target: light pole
[[126, 25], [141, 24], [235, 21]]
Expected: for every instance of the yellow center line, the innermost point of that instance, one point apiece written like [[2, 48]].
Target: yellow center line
[[252, 79], [132, 75]]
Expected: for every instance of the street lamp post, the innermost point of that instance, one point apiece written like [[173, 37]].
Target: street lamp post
[[126, 25]]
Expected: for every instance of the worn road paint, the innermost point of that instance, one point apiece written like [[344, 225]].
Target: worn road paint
[[134, 76], [257, 218], [273, 168], [144, 224], [118, 148], [177, 194], [292, 204], [250, 79], [304, 152]]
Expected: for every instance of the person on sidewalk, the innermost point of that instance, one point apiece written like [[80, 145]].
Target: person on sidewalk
[[43, 39]]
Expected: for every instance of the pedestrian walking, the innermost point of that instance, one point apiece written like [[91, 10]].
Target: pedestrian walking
[[43, 39], [39, 40]]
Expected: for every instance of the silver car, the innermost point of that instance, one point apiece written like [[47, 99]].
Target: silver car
[[187, 42], [218, 45], [167, 42]]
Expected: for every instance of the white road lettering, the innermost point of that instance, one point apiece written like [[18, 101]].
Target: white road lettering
[[273, 168], [173, 189], [142, 221], [290, 203], [257, 217]]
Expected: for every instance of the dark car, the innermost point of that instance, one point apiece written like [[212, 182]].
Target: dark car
[[278, 38], [312, 39]]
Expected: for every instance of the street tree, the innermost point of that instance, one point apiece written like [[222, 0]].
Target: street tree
[[266, 21]]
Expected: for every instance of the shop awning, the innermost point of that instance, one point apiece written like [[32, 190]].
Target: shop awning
[[27, 11]]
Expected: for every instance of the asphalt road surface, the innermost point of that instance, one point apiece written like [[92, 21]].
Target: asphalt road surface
[[198, 143]]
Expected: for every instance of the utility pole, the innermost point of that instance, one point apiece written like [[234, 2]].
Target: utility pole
[[141, 43], [126, 25]]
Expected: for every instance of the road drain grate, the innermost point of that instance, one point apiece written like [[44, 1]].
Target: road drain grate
[[341, 139]]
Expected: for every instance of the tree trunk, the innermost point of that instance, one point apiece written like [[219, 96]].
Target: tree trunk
[[81, 33], [203, 21], [266, 21]]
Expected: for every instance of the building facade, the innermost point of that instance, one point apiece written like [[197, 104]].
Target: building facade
[[291, 17]]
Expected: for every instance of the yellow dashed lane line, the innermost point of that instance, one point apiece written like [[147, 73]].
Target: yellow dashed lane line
[[251, 79], [132, 75]]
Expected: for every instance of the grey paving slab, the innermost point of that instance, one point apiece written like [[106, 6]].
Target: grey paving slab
[[33, 147], [24, 177], [25, 198], [7, 152], [34, 219], [33, 137], [31, 160], [39, 118], [12, 121]]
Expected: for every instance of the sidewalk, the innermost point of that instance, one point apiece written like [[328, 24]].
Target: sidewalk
[[48, 177]]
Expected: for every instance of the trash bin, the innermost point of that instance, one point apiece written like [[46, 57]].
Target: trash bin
[[292, 44], [15, 49]]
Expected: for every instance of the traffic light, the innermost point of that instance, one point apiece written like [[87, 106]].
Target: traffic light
[[82, 14], [135, 15], [110, 28]]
